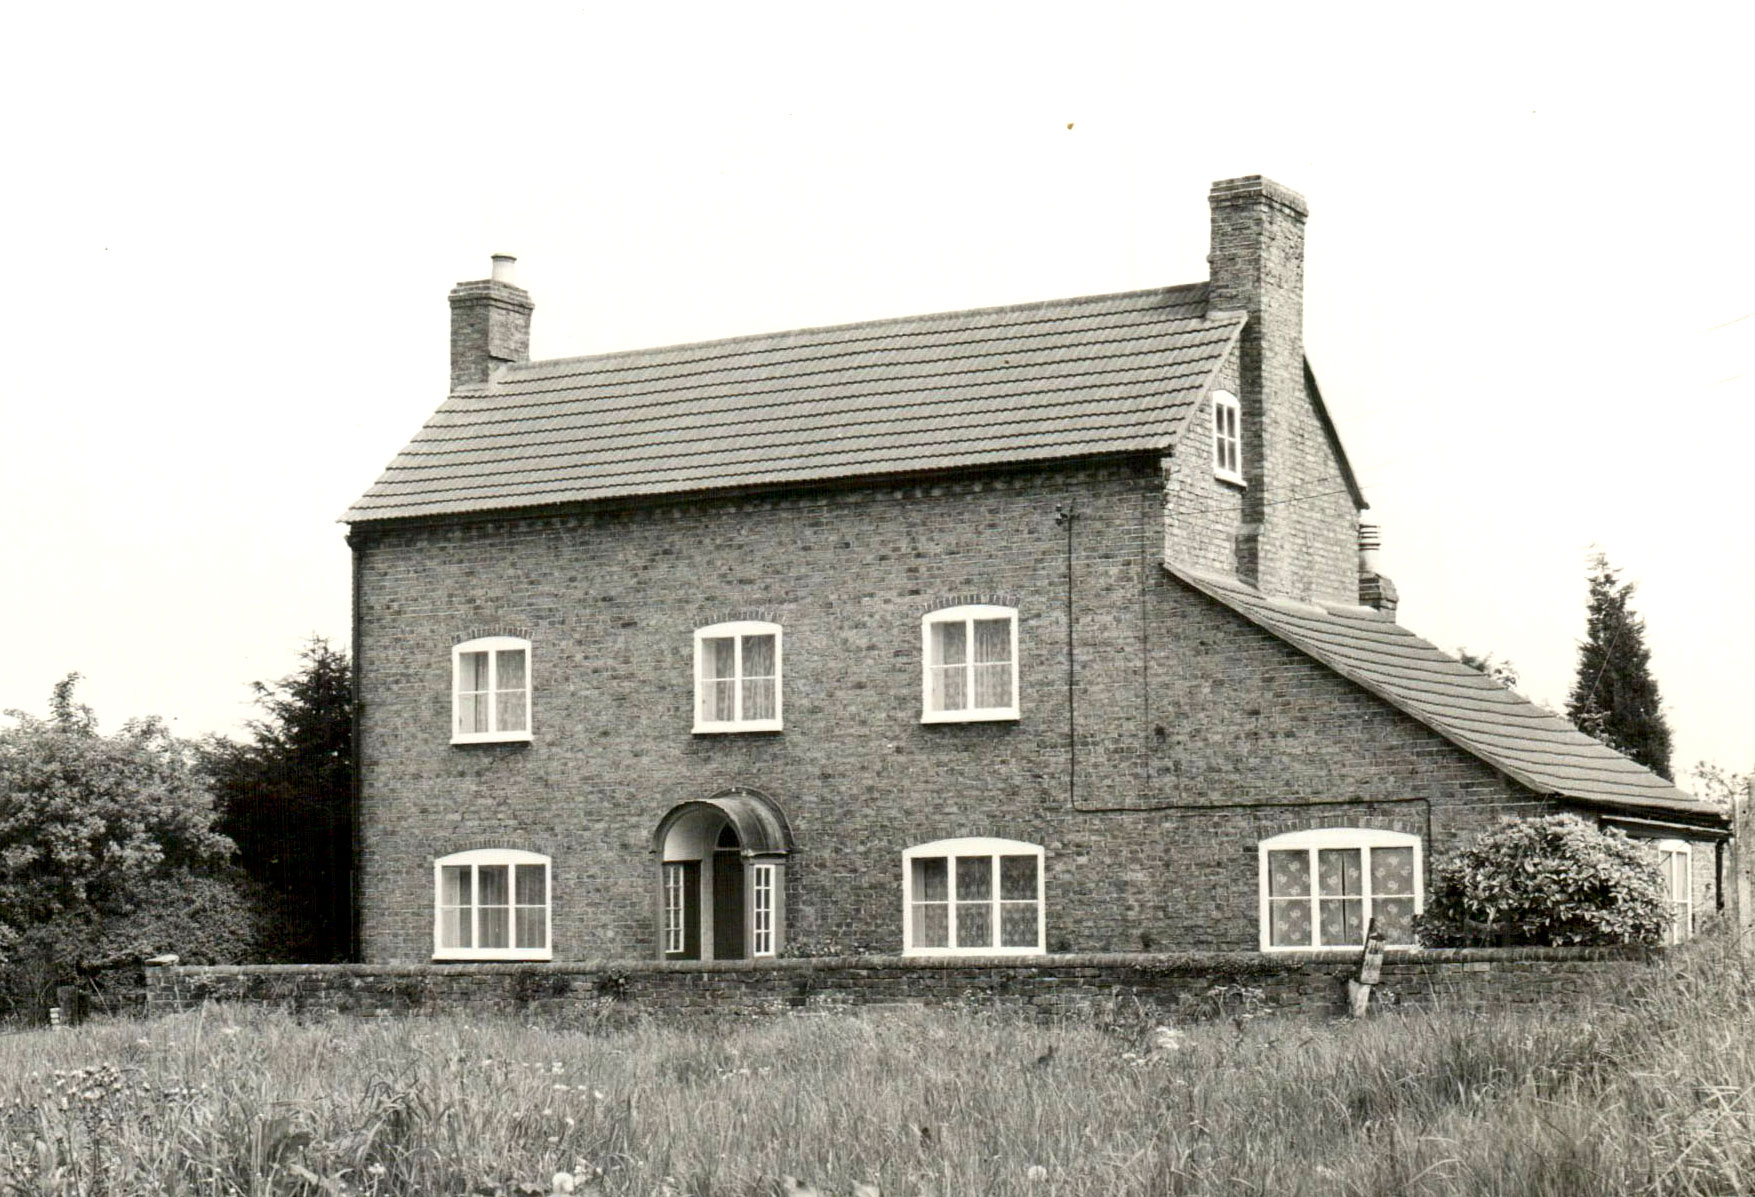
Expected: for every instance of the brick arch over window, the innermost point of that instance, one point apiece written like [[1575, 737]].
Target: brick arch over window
[[760, 824]]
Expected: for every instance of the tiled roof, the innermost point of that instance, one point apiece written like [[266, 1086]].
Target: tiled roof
[[1066, 378], [1537, 749]]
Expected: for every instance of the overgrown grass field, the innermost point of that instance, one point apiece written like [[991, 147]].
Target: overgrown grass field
[[1648, 1090]]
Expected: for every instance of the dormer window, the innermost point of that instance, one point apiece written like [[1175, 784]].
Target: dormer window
[[1227, 437], [737, 677], [490, 690]]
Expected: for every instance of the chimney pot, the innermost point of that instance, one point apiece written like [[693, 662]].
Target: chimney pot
[[1370, 540], [504, 269]]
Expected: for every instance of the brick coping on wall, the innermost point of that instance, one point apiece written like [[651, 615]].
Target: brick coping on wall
[[1173, 984], [1216, 964]]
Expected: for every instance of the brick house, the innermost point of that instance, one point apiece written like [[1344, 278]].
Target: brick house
[[1026, 629]]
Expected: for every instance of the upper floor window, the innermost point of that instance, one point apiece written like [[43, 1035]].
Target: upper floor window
[[1675, 859], [490, 690], [972, 897], [1227, 437], [1321, 889], [971, 672], [491, 904], [737, 677]]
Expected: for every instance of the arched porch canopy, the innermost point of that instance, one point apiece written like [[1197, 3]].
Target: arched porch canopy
[[761, 828]]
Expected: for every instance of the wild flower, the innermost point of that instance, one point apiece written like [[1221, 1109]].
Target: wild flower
[[1036, 1172]]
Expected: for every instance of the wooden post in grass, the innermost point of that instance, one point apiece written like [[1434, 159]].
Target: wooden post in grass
[[1370, 972], [70, 1000]]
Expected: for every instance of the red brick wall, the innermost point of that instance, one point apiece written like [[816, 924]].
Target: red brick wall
[[1181, 706]]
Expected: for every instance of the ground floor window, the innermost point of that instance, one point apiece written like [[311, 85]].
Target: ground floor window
[[1675, 861], [491, 904], [1322, 888], [974, 897]]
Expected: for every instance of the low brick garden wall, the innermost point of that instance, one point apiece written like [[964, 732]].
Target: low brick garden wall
[[1214, 984]]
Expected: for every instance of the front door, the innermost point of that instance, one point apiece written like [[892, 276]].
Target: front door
[[727, 905]]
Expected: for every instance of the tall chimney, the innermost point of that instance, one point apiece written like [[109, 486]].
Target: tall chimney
[[490, 325], [1256, 266]]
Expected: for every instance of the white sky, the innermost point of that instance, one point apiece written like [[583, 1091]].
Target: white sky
[[230, 231]]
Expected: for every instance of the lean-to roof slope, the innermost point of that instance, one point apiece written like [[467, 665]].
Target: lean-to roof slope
[[1537, 749], [994, 386]]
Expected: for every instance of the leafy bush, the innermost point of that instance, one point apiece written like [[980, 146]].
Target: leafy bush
[[1552, 881], [107, 853]]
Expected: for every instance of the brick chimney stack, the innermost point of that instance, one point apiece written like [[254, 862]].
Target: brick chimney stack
[[490, 325], [1256, 265]]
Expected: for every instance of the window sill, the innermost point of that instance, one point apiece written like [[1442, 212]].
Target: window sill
[[986, 715], [1233, 479], [478, 955], [971, 953], [752, 725], [492, 738]]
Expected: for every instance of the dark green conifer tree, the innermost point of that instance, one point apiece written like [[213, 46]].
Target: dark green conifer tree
[[1614, 696]]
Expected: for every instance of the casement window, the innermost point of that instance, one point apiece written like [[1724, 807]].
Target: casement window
[[490, 690], [1675, 861], [1227, 437], [737, 677], [1321, 889], [491, 904], [972, 897], [971, 664]]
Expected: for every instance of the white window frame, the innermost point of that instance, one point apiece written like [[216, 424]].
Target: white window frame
[[674, 885], [493, 646], [973, 846], [475, 859], [1227, 442], [967, 616], [736, 631], [1681, 928], [1313, 841], [764, 880]]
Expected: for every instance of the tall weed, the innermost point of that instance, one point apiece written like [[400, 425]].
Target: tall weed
[[1648, 1090]]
